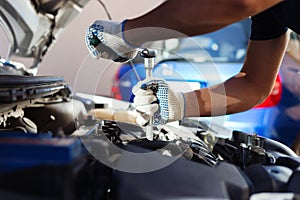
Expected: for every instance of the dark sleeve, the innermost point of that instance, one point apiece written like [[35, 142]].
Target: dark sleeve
[[265, 26]]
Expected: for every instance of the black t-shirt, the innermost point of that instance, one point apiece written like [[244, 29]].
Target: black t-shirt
[[275, 21]]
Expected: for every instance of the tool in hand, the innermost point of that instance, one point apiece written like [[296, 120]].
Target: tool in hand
[[149, 62]]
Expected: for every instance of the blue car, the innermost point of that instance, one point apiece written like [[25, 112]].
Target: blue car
[[203, 61]]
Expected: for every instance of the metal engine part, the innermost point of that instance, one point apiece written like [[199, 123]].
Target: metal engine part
[[31, 26], [46, 138], [59, 118]]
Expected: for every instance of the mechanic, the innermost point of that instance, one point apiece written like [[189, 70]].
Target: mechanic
[[270, 22]]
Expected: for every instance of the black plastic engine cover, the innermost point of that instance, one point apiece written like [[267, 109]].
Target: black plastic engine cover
[[179, 180]]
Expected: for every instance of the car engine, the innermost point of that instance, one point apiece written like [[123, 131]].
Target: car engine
[[52, 149]]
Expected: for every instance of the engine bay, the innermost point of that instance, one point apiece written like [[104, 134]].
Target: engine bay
[[51, 148]]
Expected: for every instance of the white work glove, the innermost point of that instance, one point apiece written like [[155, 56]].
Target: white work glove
[[105, 39], [153, 97]]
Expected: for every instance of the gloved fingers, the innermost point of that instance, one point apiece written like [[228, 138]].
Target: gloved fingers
[[147, 83], [92, 41], [145, 113], [148, 109], [93, 51], [96, 47], [144, 100], [142, 119], [104, 39], [137, 91]]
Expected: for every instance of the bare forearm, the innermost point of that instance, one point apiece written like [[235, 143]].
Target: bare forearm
[[227, 98], [193, 17], [242, 92]]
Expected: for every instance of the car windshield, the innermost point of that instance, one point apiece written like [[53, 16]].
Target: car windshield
[[226, 45]]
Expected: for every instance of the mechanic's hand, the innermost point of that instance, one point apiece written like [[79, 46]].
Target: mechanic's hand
[[105, 39], [153, 97]]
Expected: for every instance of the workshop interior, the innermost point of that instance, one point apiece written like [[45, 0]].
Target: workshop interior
[[52, 147]]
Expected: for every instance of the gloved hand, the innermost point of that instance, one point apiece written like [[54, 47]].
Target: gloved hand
[[154, 97], [105, 39]]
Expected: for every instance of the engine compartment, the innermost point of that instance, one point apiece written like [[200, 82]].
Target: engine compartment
[[52, 149]]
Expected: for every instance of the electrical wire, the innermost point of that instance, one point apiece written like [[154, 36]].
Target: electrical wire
[[110, 18], [138, 77], [105, 9]]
